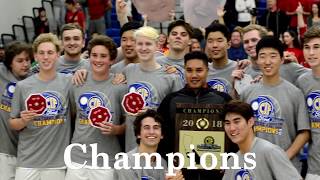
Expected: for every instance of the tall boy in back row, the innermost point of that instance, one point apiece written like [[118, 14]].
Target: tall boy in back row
[[281, 118]]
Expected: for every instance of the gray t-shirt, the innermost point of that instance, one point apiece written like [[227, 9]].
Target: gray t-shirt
[[136, 174], [43, 141], [177, 63], [67, 67], [310, 86], [84, 98], [118, 67], [253, 71], [279, 113], [271, 163], [220, 78], [289, 71], [153, 86], [8, 137]]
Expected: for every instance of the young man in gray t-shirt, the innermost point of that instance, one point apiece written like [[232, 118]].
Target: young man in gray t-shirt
[[98, 90], [40, 111], [309, 83], [281, 118], [148, 77], [271, 162], [15, 67]]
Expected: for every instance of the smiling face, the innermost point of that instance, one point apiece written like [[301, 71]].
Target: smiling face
[[100, 60], [269, 62], [217, 46], [311, 51], [250, 40], [72, 42], [150, 133], [128, 44], [46, 56], [145, 48], [235, 39], [238, 128], [196, 73]]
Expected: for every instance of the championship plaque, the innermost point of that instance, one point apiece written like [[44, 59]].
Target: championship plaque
[[200, 126]]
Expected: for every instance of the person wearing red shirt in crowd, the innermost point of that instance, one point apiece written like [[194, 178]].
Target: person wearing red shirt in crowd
[[41, 22], [292, 45], [74, 14], [97, 9], [290, 6]]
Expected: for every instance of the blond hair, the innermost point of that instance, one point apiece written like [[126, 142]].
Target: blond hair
[[262, 30], [148, 32], [46, 37]]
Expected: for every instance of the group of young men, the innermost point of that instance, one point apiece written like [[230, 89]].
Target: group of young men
[[42, 111]]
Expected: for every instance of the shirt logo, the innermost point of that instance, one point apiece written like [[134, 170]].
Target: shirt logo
[[313, 105], [243, 174], [267, 112], [218, 85], [147, 91]]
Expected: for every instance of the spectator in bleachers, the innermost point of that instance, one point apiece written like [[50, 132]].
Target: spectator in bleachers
[[162, 43], [74, 14], [245, 9], [41, 22], [195, 46], [231, 15], [292, 13], [2, 53], [198, 37], [292, 45], [314, 18], [236, 51], [274, 18], [97, 9]]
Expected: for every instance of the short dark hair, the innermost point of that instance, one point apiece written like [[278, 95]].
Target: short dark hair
[[270, 42], [182, 23], [71, 26], [196, 55], [238, 107], [217, 27], [14, 48], [149, 113], [129, 26], [197, 34], [106, 42]]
